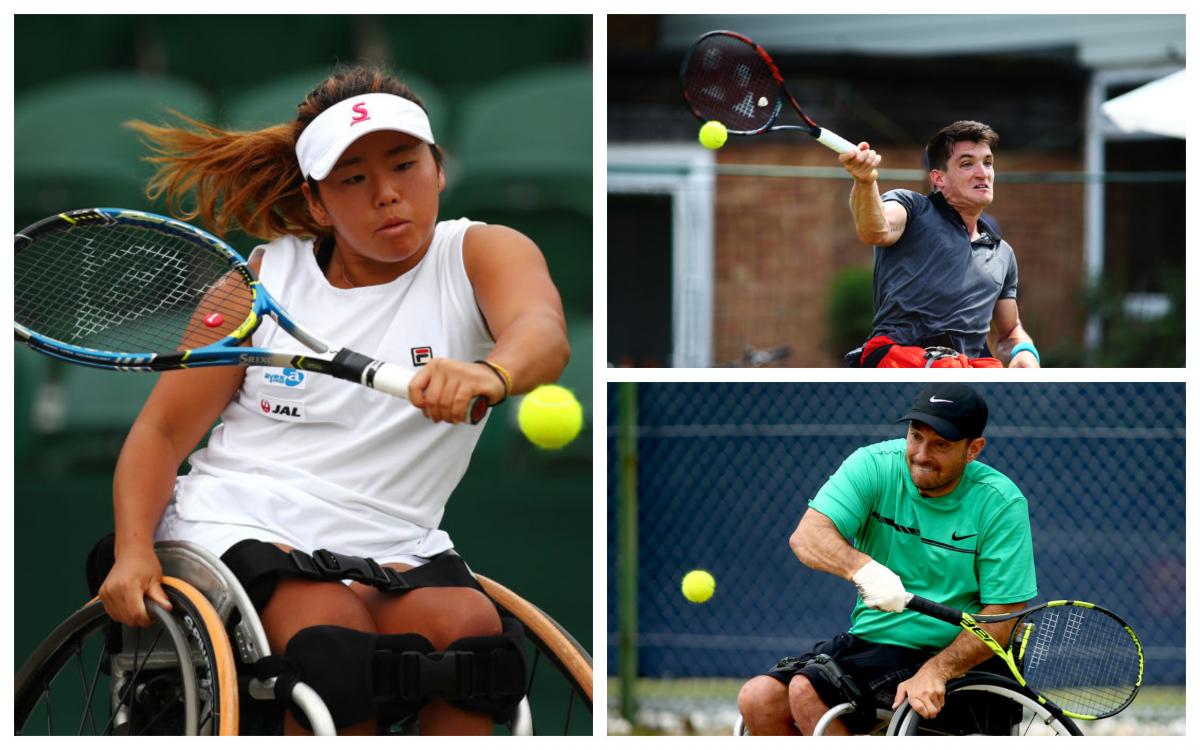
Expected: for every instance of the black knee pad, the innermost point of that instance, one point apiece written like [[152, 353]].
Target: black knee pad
[[363, 675], [864, 705], [340, 665], [500, 686]]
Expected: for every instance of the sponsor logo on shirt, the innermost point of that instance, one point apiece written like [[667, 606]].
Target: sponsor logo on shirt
[[421, 355], [286, 377], [281, 409]]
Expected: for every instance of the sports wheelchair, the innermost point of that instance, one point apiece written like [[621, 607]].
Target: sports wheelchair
[[978, 703], [186, 674]]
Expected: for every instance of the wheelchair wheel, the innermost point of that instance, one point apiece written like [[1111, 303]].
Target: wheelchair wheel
[[984, 704], [560, 669], [92, 677]]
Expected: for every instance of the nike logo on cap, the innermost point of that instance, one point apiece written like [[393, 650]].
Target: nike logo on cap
[[936, 400]]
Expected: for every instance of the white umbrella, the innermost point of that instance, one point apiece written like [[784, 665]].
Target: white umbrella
[[1158, 107]]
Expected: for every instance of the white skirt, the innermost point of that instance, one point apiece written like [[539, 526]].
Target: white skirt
[[218, 531]]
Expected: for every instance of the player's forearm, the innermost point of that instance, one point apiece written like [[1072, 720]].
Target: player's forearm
[[866, 206], [533, 349], [818, 544], [967, 651], [142, 485], [1003, 345]]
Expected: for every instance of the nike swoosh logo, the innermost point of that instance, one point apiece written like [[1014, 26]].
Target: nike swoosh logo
[[958, 538], [936, 400]]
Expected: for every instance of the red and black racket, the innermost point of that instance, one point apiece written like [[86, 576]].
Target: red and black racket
[[728, 78]]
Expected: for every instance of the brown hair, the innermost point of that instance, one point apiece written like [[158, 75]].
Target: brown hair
[[937, 152], [252, 179]]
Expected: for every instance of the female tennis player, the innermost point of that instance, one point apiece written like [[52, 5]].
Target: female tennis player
[[347, 194]]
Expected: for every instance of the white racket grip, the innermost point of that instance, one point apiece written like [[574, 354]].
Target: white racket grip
[[834, 141], [393, 380]]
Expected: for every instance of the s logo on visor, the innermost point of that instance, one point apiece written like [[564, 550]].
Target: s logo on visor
[[360, 113]]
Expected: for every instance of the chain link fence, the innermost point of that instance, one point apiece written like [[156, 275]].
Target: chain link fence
[[724, 471]]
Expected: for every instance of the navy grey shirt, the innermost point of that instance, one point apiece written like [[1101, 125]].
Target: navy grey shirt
[[935, 280]]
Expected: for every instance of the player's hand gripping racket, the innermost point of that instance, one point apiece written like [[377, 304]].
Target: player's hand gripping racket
[[128, 290], [728, 78], [1074, 656]]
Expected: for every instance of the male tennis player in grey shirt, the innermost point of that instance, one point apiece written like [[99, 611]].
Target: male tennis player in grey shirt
[[944, 279]]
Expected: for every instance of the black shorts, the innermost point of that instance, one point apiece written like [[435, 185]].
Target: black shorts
[[876, 668]]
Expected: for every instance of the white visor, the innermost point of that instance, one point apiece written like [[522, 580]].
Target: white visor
[[323, 141]]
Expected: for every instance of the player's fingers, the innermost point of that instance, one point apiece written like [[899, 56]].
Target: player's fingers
[[934, 704], [921, 707], [106, 598], [155, 592], [433, 397], [135, 608], [901, 694], [441, 409], [115, 603], [864, 146], [416, 387], [456, 411], [440, 392]]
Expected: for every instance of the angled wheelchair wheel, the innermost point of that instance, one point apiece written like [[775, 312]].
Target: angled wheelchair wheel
[[560, 669], [91, 677], [985, 704]]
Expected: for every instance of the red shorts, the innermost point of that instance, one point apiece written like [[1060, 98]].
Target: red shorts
[[895, 355]]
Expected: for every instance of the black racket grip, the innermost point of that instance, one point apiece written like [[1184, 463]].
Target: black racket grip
[[935, 609]]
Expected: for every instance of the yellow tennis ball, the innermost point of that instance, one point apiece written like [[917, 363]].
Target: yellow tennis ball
[[713, 134], [698, 586], [550, 416]]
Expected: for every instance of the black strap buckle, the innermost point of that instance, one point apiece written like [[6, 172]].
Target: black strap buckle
[[334, 567], [449, 675], [934, 353]]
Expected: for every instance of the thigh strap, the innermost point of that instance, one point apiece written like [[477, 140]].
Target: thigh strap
[[258, 566]]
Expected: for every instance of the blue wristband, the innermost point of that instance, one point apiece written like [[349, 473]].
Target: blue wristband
[[1025, 346]]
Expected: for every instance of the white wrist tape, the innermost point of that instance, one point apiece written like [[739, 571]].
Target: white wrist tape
[[880, 588]]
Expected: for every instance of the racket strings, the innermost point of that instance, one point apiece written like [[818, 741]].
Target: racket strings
[[127, 288], [726, 79], [1082, 659]]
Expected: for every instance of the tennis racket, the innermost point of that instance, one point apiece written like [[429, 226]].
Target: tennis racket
[[1073, 656], [129, 290], [728, 78]]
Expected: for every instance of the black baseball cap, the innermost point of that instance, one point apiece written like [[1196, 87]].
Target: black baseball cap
[[953, 410]]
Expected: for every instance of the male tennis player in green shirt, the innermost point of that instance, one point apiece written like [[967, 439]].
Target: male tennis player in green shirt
[[925, 517]]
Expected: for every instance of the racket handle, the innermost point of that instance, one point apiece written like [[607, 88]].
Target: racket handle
[[394, 380], [934, 609], [477, 409], [832, 140]]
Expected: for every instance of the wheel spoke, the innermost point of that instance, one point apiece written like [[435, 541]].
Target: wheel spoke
[[49, 712], [91, 689], [131, 681], [570, 705]]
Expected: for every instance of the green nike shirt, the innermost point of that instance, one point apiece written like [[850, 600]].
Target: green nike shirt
[[967, 549]]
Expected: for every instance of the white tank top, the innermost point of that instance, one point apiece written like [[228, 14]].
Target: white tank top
[[319, 462]]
